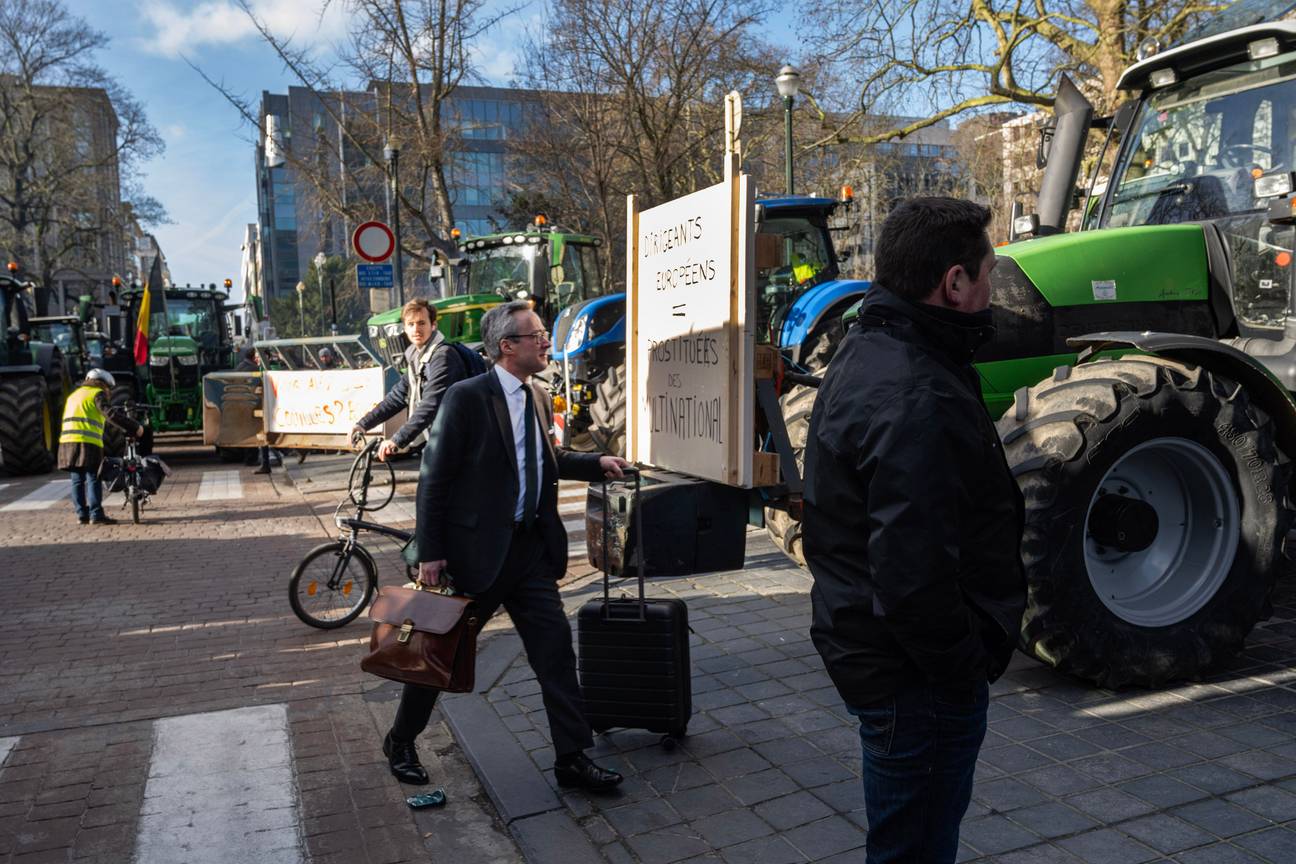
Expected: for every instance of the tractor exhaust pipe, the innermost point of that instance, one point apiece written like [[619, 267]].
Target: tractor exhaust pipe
[[1072, 117]]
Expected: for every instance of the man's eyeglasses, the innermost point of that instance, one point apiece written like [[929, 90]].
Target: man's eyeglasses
[[538, 336]]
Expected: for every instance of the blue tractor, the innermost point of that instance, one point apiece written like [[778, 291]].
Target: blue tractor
[[800, 300]]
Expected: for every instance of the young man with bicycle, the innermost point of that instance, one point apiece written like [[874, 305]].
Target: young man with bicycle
[[429, 370], [81, 443]]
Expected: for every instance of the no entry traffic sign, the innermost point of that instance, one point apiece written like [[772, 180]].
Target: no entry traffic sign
[[373, 241]]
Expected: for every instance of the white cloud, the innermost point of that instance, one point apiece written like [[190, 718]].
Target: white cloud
[[180, 27], [175, 131], [497, 54]]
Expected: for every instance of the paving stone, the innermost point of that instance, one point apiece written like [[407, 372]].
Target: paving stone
[[1271, 802], [995, 834], [1014, 758], [1165, 833], [1275, 844], [1059, 780], [1217, 853], [702, 801], [1063, 746], [831, 836], [1106, 846], [1213, 777], [1006, 794], [1110, 768], [793, 810], [1110, 805], [1162, 790], [818, 771], [1261, 764], [729, 828], [643, 816], [1052, 820], [667, 845], [761, 786], [1045, 853], [1221, 818], [765, 850]]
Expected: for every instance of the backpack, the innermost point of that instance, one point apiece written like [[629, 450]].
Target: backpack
[[474, 363]]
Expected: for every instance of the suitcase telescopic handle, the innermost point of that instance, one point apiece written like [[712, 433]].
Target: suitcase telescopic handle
[[640, 561]]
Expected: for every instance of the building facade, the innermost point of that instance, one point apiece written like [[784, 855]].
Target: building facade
[[321, 154]]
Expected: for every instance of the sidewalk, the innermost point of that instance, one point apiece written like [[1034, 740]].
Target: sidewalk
[[1200, 774]]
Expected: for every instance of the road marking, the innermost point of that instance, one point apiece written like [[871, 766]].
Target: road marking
[[6, 744], [43, 498], [220, 789], [220, 486]]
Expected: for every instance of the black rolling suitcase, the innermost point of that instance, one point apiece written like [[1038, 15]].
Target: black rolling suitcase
[[632, 655]]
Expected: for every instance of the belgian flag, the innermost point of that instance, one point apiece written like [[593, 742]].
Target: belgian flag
[[154, 281]]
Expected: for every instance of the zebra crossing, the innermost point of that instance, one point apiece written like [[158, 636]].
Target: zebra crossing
[[42, 497]]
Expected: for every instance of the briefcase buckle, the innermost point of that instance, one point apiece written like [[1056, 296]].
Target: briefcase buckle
[[406, 629]]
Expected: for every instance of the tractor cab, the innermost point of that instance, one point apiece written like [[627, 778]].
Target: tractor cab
[[67, 333], [794, 253], [553, 269]]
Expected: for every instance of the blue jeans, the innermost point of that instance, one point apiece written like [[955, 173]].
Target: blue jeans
[[87, 494], [920, 751]]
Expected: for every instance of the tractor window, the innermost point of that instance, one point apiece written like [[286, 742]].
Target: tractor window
[[797, 259], [55, 332], [503, 270], [579, 278], [1196, 146], [195, 318]]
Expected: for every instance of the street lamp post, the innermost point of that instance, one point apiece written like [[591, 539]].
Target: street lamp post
[[301, 308], [788, 83], [319, 278], [392, 153]]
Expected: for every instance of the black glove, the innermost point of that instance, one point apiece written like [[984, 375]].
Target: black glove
[[357, 436]]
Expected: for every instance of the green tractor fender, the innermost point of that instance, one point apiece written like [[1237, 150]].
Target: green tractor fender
[[1264, 387]]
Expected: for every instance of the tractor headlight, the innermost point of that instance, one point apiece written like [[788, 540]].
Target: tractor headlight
[[187, 359], [576, 335], [158, 360]]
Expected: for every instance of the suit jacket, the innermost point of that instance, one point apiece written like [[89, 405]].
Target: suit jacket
[[469, 483]]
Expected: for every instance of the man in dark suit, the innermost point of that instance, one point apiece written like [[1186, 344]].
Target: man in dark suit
[[488, 523]]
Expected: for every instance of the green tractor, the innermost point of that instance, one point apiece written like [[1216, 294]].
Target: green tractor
[[553, 269], [187, 341], [34, 383], [1144, 365]]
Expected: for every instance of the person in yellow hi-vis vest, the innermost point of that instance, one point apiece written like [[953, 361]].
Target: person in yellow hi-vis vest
[[803, 269], [81, 443]]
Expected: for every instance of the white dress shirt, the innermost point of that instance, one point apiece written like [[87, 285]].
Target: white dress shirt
[[516, 399]]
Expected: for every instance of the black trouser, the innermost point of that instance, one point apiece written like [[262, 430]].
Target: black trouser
[[533, 602]]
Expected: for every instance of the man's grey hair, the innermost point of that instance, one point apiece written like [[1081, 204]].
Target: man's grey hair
[[498, 323]]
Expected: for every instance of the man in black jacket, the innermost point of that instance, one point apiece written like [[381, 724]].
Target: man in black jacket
[[912, 528], [429, 370], [488, 523]]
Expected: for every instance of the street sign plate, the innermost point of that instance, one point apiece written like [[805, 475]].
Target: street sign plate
[[373, 241], [374, 275]]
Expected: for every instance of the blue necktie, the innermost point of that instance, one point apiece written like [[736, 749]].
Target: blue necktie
[[528, 424]]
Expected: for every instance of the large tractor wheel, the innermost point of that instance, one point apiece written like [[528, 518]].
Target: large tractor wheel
[[28, 425], [1155, 507], [608, 412], [114, 439], [796, 404]]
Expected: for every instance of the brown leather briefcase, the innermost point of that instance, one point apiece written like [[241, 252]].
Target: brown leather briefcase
[[421, 636]]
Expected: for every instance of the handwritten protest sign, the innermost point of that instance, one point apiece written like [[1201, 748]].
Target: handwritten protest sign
[[689, 352], [323, 402]]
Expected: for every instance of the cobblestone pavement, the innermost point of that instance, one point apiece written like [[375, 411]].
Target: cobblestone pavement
[[1200, 774], [111, 636], [155, 689]]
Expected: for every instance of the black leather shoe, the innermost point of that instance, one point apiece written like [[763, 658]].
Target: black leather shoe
[[103, 520], [403, 759], [581, 771], [84, 520]]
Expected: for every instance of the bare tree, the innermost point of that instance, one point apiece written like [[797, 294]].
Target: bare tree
[[71, 141], [393, 81], [931, 60]]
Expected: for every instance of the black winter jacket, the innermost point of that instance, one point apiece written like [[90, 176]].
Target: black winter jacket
[[442, 369], [913, 520]]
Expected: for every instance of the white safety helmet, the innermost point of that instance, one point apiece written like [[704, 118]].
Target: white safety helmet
[[100, 375]]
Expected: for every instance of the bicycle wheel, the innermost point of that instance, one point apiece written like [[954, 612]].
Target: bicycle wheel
[[135, 507], [332, 585], [371, 484]]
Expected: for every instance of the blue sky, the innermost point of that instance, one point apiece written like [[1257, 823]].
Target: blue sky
[[205, 178]]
